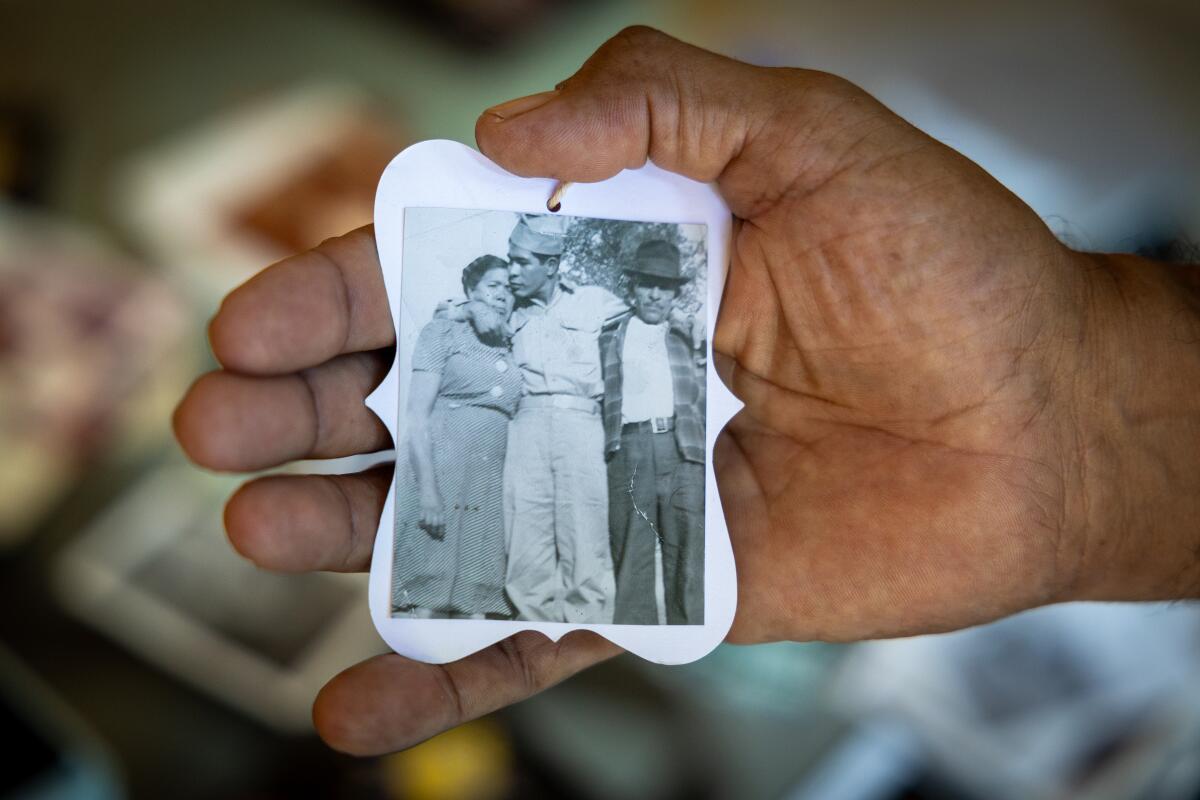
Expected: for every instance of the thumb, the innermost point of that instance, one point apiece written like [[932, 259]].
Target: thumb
[[643, 95]]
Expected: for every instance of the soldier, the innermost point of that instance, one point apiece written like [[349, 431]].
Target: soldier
[[555, 488]]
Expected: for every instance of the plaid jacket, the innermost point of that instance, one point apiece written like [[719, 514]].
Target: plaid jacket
[[687, 378]]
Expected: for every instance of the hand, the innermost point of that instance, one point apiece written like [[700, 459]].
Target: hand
[[448, 309], [431, 514], [488, 323], [690, 325], [935, 434]]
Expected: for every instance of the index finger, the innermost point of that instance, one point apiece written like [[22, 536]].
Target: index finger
[[306, 309]]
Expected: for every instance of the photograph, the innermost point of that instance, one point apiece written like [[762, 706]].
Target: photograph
[[551, 450]]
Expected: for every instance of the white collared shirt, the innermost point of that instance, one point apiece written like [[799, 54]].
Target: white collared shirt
[[647, 389], [557, 344]]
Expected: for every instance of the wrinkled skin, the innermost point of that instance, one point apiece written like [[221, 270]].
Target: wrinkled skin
[[921, 447]]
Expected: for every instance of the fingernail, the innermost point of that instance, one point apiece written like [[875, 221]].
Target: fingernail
[[521, 105]]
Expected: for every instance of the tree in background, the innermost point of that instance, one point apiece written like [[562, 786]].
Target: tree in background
[[596, 251]]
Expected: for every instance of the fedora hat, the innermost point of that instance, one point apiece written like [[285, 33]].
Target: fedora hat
[[656, 258]]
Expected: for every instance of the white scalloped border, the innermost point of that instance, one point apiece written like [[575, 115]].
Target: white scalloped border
[[446, 174]]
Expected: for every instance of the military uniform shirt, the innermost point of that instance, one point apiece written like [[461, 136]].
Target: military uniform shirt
[[556, 345]]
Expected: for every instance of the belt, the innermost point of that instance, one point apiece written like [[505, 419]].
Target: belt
[[571, 401], [656, 425]]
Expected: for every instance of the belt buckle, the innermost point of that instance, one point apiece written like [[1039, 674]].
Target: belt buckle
[[660, 425]]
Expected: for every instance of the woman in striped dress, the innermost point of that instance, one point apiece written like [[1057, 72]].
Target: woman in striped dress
[[449, 558]]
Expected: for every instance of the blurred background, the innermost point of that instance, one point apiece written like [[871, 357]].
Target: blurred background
[[153, 155]]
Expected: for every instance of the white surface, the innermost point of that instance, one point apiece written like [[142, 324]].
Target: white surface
[[444, 174]]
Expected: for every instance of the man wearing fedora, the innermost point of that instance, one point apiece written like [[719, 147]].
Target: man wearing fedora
[[654, 403]]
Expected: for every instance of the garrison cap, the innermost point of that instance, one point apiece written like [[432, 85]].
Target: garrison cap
[[543, 234]]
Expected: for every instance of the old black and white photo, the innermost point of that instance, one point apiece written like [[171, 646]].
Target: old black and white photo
[[551, 460]]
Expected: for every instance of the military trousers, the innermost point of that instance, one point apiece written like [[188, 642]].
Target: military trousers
[[655, 494], [556, 517]]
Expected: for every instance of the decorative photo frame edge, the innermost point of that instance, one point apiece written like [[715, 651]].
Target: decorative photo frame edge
[[448, 174]]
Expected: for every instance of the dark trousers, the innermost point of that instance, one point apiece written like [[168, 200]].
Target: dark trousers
[[653, 492]]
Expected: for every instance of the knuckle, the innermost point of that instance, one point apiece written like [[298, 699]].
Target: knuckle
[[352, 542], [526, 653], [824, 90], [632, 49], [639, 37], [459, 708], [347, 246], [834, 89]]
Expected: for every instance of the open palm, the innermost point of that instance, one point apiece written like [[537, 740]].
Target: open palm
[[894, 320], [897, 324]]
